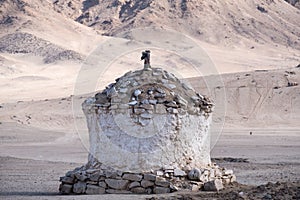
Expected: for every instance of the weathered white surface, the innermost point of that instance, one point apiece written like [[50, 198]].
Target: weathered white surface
[[117, 142]]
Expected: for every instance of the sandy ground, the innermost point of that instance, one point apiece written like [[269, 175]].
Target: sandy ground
[[31, 162]]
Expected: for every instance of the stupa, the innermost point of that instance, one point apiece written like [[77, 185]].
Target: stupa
[[149, 133]]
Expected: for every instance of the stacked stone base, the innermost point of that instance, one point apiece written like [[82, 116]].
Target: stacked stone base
[[101, 180]]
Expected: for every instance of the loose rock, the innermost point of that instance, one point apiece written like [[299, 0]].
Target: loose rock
[[194, 174], [214, 185]]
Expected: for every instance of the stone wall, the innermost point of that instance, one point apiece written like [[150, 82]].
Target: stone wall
[[100, 179]]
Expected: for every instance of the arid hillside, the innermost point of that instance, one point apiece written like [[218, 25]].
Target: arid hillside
[[226, 23], [44, 43]]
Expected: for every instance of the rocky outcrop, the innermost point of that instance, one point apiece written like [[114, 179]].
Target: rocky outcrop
[[25, 43]]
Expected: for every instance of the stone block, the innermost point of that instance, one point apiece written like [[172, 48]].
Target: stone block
[[79, 188], [65, 188], [138, 190], [93, 189], [70, 174], [134, 184], [92, 182], [80, 176], [161, 190], [67, 179], [233, 178], [92, 171], [146, 183], [132, 177], [162, 182], [117, 184], [150, 177], [111, 174], [179, 172], [214, 185], [102, 184], [94, 177]]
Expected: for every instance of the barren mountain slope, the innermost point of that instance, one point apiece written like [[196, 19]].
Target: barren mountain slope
[[218, 22], [39, 19], [40, 50], [261, 98]]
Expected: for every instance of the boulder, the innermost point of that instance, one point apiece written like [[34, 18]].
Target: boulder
[[161, 190], [65, 188], [194, 174]]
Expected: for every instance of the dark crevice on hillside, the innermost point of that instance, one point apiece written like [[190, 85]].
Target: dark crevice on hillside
[[129, 11], [87, 4]]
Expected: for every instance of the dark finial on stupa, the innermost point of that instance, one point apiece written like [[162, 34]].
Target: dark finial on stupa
[[146, 58]]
